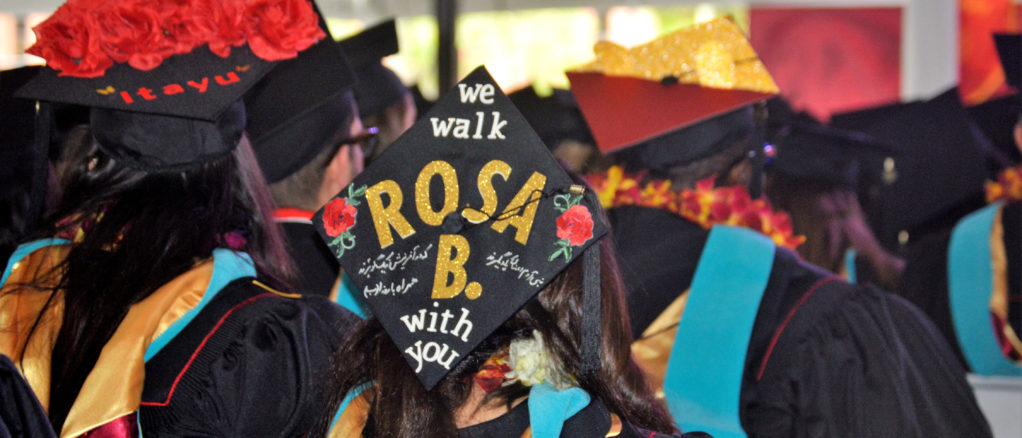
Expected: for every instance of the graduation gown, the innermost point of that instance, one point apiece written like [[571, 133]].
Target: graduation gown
[[214, 352], [925, 280], [21, 416], [824, 358]]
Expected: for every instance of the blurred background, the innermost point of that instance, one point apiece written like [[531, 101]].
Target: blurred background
[[878, 51]]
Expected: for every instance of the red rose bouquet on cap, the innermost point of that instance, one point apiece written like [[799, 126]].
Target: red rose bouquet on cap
[[84, 38]]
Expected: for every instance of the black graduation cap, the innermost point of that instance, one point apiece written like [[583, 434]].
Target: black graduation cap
[[1009, 50], [181, 110], [378, 87], [555, 117], [457, 225], [996, 119], [814, 153], [780, 113], [299, 107], [940, 170]]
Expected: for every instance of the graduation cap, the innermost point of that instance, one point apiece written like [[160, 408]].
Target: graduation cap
[[378, 87], [555, 117], [297, 110], [996, 119], [940, 167], [1009, 51], [458, 224], [162, 81], [815, 153], [629, 96]]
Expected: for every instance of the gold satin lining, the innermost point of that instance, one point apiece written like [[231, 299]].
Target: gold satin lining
[[114, 387], [615, 426], [336, 289], [20, 304], [652, 350], [353, 419], [999, 296]]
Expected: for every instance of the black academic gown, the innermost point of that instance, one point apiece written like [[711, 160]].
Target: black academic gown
[[21, 415], [318, 270], [251, 363], [925, 280], [825, 358]]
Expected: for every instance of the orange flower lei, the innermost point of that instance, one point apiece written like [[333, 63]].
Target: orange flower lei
[[705, 205], [1008, 186]]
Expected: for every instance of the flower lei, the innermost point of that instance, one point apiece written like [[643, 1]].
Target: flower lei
[[706, 205], [526, 361], [1008, 186], [83, 38]]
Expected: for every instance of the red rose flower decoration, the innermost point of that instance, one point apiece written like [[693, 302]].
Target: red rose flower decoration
[[338, 217], [70, 43], [131, 32], [575, 225], [279, 29]]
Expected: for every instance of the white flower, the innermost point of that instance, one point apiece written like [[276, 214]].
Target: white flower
[[531, 363]]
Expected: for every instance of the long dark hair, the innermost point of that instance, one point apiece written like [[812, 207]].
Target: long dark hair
[[401, 407], [140, 230]]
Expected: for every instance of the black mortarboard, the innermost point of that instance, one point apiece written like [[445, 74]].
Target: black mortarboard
[[378, 87], [163, 93], [940, 167], [1009, 50], [457, 225], [814, 153], [555, 117], [298, 108], [996, 119]]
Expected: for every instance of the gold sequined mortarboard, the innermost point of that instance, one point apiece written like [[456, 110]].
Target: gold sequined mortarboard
[[714, 54]]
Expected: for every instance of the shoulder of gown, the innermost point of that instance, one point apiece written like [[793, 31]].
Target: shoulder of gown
[[252, 363], [848, 360]]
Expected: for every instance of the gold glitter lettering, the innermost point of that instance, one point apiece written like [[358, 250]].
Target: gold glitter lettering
[[486, 191], [447, 267], [449, 178], [387, 216], [525, 203]]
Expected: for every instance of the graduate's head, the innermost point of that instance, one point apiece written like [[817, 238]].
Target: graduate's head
[[384, 102], [165, 174], [462, 238], [304, 126], [679, 107]]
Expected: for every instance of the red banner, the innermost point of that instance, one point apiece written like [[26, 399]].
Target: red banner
[[833, 59]]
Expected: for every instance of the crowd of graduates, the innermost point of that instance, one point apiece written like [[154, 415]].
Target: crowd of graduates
[[220, 221]]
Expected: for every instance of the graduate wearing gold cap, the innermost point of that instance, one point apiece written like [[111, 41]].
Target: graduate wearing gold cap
[[746, 339]]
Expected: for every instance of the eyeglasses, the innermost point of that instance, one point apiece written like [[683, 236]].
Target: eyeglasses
[[366, 140]]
